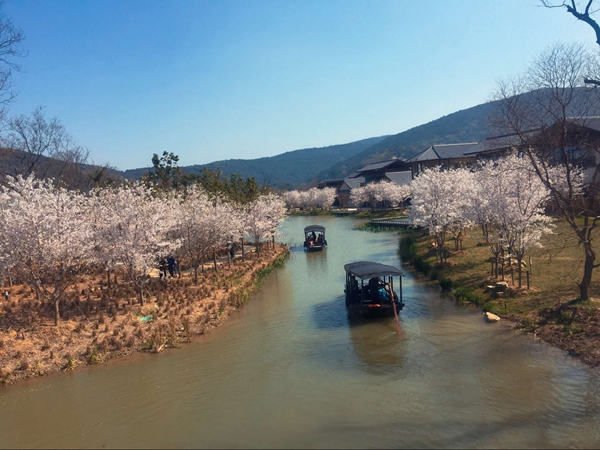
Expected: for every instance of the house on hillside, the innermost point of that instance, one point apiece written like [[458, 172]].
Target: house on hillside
[[581, 143], [449, 156]]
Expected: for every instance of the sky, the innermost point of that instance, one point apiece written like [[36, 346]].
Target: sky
[[214, 80]]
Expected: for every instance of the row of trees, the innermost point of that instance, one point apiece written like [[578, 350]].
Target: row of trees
[[50, 235], [311, 199], [384, 193], [505, 199]]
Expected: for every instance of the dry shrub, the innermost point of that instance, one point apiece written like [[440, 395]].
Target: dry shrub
[[24, 365], [102, 345]]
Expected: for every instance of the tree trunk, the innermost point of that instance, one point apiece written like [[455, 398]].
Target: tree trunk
[[520, 270], [141, 294], [588, 268], [196, 275], [243, 252], [56, 311], [108, 279], [215, 260], [257, 248]]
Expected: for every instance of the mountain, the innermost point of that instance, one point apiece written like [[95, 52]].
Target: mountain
[[468, 125], [285, 171], [303, 168]]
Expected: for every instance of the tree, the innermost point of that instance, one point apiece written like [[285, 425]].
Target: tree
[[438, 204], [11, 39], [138, 228], [45, 235], [262, 217], [544, 114], [166, 174], [41, 145], [512, 214], [585, 14]]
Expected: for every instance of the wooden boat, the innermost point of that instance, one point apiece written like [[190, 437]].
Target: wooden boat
[[370, 288], [312, 241]]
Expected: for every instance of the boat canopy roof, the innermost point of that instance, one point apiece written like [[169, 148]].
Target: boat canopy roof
[[310, 228], [368, 269]]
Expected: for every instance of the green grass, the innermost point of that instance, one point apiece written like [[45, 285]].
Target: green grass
[[555, 269]]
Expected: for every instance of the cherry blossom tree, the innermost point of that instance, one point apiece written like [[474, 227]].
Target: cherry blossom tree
[[45, 235], [262, 217], [137, 228], [438, 204], [523, 218], [550, 97], [193, 228]]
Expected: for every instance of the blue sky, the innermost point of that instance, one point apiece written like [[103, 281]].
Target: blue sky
[[213, 80]]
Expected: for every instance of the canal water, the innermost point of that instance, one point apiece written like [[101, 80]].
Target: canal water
[[292, 370]]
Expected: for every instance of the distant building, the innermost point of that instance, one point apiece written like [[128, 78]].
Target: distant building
[[334, 183], [450, 156]]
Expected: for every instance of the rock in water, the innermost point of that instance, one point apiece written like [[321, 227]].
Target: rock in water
[[489, 317]]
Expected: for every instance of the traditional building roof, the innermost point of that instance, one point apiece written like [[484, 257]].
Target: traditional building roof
[[447, 151], [401, 178], [381, 165], [353, 182]]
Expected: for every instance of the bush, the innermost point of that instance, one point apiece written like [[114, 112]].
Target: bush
[[407, 247], [446, 284], [421, 265], [435, 274], [464, 295]]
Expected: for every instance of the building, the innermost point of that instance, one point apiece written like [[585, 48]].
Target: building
[[449, 156]]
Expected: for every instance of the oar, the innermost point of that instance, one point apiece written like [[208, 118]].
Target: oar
[[391, 293]]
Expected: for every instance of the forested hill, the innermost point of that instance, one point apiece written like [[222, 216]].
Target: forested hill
[[468, 125], [287, 170]]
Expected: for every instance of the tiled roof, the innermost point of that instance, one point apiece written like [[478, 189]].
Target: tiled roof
[[379, 165], [592, 122], [404, 177], [354, 182], [332, 180], [447, 151]]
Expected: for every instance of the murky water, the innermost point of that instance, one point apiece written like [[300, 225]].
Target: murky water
[[292, 370]]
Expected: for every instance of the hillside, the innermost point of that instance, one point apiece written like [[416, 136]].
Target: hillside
[[285, 171], [468, 125]]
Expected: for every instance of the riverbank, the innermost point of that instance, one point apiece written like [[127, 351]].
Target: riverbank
[[548, 309], [99, 324]]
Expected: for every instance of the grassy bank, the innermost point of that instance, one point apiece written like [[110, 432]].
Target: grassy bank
[[100, 324], [549, 308]]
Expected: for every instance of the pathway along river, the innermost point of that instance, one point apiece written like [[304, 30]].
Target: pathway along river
[[291, 370]]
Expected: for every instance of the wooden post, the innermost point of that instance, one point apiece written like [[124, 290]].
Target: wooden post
[[512, 275], [527, 279]]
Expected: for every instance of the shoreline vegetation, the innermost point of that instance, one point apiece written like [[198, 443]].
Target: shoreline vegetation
[[99, 323], [548, 309]]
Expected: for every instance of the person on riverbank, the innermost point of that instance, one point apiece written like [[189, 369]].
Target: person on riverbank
[[171, 265], [162, 268]]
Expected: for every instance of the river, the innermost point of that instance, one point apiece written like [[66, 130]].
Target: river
[[291, 370]]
